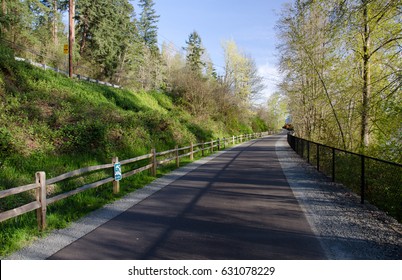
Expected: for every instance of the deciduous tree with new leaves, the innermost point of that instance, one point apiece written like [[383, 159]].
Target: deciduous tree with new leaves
[[341, 62], [241, 74]]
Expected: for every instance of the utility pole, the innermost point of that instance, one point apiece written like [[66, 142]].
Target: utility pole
[[71, 36]]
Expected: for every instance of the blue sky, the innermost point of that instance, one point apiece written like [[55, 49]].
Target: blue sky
[[250, 23]]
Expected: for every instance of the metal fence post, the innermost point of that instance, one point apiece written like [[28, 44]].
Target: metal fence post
[[362, 180], [318, 157], [297, 145], [333, 164], [41, 198]]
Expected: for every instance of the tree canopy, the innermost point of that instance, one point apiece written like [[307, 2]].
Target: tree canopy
[[341, 61]]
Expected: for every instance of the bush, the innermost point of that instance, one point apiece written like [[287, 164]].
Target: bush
[[84, 136], [258, 124], [6, 144]]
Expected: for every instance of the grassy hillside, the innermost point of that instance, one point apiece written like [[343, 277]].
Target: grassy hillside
[[51, 123], [46, 116]]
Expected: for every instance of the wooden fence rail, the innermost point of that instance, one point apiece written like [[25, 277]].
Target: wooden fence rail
[[41, 182]]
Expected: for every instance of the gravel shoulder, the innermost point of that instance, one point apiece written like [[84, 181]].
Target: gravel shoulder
[[347, 229]]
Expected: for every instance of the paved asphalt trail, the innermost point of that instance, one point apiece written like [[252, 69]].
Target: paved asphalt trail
[[237, 206]]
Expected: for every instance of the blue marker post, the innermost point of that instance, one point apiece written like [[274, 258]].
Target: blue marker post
[[117, 175]]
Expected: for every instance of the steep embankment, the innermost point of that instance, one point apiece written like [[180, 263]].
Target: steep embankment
[[51, 123], [46, 116]]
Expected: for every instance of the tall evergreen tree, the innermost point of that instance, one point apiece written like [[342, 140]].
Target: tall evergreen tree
[[195, 52], [102, 28], [147, 24]]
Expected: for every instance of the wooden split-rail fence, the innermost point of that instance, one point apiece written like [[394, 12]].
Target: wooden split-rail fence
[[41, 183]]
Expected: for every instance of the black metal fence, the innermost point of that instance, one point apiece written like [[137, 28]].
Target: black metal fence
[[376, 181]]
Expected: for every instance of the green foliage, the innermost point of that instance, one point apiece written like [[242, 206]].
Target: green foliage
[[241, 77], [6, 144], [7, 57], [84, 137], [105, 32], [258, 124], [147, 24], [194, 52], [340, 63]]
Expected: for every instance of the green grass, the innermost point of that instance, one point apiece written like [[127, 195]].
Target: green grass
[[51, 123]]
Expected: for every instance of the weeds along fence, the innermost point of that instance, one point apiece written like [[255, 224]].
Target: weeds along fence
[[149, 161], [376, 181]]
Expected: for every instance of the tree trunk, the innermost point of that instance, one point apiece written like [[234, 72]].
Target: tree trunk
[[4, 7], [71, 37], [4, 12], [366, 91], [54, 24], [83, 39]]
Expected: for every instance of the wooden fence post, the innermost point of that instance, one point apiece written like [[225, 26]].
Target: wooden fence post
[[219, 144], [191, 151], [116, 184], [177, 156], [153, 162], [202, 149], [212, 146], [41, 198], [233, 140]]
